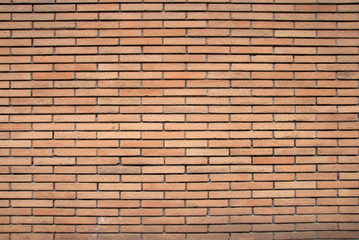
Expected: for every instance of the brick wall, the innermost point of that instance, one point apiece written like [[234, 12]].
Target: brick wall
[[164, 119]]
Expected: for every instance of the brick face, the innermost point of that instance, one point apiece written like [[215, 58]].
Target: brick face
[[198, 119]]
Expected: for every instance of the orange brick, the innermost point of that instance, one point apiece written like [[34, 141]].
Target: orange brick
[[208, 15], [160, 169], [163, 66], [97, 7], [273, 160], [209, 169], [56, 178], [237, 119]]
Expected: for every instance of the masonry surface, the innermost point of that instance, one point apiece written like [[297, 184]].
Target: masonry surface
[[179, 120]]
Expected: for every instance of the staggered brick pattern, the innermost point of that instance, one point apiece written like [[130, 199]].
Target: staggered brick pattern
[[175, 119]]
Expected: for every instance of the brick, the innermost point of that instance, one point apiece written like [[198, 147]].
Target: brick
[[273, 25], [164, 32], [31, 220], [164, 49], [61, 228], [238, 120], [228, 58], [163, 220], [32, 186], [230, 228], [31, 203], [176, 58], [54, 8], [209, 49], [97, 7], [337, 50], [76, 169], [54, 195], [226, 194], [74, 203], [56, 178]]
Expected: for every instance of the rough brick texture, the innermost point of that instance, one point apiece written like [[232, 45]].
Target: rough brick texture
[[179, 119]]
